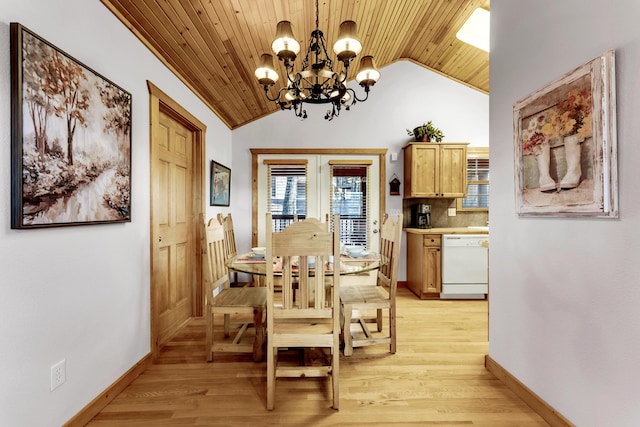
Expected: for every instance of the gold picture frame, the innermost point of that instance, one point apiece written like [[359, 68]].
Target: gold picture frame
[[565, 145]]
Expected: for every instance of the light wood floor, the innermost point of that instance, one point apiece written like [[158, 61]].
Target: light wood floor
[[437, 377]]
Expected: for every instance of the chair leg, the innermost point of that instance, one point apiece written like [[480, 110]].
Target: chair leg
[[379, 320], [258, 342], [346, 329], [335, 374], [392, 327], [271, 376], [209, 336], [227, 325]]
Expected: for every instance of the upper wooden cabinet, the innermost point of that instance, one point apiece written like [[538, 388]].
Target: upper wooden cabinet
[[435, 170]]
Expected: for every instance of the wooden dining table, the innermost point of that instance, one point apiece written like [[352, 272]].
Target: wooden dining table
[[256, 265]]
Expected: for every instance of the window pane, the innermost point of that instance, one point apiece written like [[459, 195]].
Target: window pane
[[477, 193], [478, 169], [477, 196], [287, 195], [349, 199]]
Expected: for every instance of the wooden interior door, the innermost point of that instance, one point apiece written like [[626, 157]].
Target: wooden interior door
[[175, 246], [177, 181]]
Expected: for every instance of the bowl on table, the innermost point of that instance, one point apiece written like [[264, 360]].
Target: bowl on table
[[311, 261], [259, 251], [355, 251]]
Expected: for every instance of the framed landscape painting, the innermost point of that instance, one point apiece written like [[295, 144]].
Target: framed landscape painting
[[220, 184], [565, 145], [70, 139]]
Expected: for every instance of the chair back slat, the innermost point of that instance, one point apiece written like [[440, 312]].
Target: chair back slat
[[390, 237], [309, 237], [229, 242], [229, 235], [215, 254]]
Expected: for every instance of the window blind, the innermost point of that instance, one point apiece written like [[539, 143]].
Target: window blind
[[350, 199], [287, 194], [477, 183]]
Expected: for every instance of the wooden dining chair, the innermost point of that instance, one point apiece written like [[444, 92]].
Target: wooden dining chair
[[306, 319], [229, 243], [246, 304], [359, 301]]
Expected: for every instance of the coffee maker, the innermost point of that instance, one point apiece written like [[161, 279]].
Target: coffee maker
[[421, 215]]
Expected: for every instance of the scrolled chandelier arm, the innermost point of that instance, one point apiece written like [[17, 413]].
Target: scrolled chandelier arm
[[316, 82]]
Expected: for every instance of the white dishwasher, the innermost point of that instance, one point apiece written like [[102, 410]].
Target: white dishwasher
[[465, 266]]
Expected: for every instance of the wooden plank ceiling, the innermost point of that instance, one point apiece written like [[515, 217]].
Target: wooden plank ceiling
[[214, 46]]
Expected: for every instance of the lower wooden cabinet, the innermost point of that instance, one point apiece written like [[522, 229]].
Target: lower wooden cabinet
[[424, 259]]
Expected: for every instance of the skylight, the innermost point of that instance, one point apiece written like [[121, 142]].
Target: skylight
[[476, 30]]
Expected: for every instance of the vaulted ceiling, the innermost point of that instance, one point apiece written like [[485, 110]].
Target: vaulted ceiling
[[214, 46]]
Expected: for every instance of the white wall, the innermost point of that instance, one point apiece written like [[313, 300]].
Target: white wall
[[80, 293], [564, 315], [406, 96]]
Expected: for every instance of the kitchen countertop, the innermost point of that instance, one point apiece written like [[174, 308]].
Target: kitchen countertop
[[448, 230]]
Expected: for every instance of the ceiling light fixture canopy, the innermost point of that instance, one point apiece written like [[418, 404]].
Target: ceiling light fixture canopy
[[317, 82]]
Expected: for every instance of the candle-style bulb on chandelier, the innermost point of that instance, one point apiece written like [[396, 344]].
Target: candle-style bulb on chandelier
[[317, 82]]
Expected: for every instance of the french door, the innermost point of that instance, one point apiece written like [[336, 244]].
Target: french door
[[302, 184]]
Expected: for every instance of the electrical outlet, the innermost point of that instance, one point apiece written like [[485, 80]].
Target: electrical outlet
[[58, 374], [452, 212]]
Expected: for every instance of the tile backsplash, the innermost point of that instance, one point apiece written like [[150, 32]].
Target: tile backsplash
[[440, 216]]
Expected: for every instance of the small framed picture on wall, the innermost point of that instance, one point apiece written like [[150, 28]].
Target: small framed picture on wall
[[220, 184]]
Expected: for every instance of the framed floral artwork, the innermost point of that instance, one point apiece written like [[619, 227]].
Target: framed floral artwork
[[70, 139], [220, 184], [565, 145]]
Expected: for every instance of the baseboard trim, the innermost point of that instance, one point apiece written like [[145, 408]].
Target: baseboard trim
[[104, 398], [539, 406]]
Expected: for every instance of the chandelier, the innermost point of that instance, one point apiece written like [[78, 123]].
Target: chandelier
[[317, 82]]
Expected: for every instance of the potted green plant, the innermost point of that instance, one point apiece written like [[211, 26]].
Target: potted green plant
[[426, 133]]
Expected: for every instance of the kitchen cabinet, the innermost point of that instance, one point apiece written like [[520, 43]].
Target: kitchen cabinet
[[435, 170], [424, 257]]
